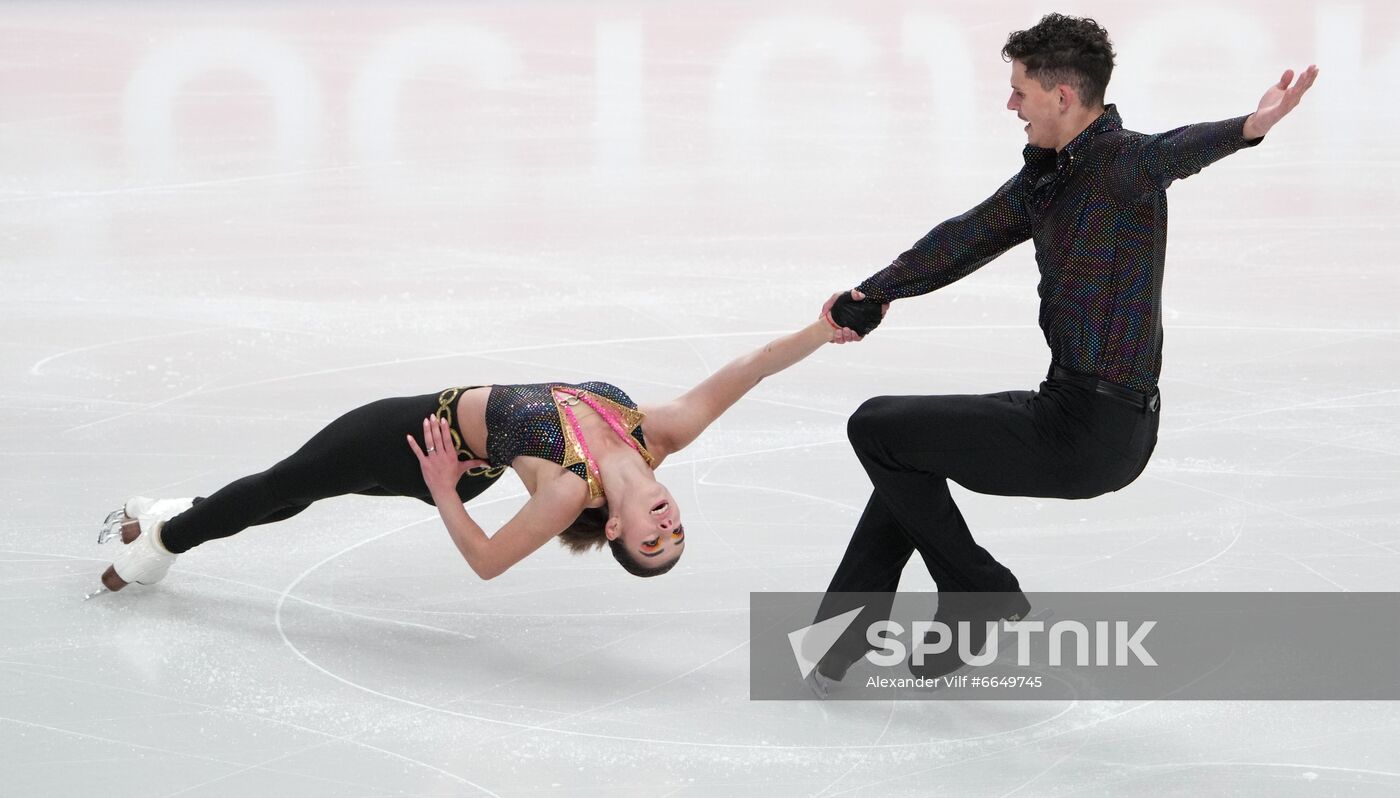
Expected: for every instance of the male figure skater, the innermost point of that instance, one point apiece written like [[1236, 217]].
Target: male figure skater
[[1092, 197]]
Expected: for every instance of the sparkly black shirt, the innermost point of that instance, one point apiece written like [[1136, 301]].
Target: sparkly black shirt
[[1097, 212], [525, 420]]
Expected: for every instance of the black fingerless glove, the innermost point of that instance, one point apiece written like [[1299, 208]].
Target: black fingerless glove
[[862, 316]]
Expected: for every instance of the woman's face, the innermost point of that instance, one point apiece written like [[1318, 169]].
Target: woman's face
[[649, 525]]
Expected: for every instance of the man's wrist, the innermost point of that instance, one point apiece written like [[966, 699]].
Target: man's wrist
[[872, 292], [1252, 129]]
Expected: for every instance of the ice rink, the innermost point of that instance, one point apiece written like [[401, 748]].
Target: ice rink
[[225, 225]]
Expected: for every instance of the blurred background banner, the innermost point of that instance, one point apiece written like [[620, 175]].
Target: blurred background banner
[[488, 122]]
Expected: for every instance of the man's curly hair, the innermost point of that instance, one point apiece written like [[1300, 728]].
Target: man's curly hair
[[1061, 49]]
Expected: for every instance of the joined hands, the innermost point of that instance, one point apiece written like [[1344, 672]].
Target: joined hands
[[852, 316]]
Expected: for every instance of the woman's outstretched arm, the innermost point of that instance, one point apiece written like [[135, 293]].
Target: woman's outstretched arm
[[676, 424]]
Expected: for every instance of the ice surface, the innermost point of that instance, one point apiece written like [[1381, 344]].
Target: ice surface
[[224, 225]]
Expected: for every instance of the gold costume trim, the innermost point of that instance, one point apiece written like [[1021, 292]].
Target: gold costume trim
[[630, 417], [447, 400]]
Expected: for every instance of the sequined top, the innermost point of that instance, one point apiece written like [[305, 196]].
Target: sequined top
[[1097, 212], [527, 420]]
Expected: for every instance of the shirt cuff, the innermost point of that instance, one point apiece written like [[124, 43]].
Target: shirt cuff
[[1248, 142], [873, 292]]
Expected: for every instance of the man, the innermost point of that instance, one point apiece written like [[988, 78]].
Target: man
[[1092, 198]]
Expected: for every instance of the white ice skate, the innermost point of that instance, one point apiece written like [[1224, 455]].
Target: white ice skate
[[143, 559]]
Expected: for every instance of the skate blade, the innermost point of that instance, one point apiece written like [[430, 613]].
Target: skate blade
[[127, 530], [818, 685], [112, 525], [1040, 615]]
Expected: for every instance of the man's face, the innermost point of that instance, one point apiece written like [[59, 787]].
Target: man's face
[[1040, 108]]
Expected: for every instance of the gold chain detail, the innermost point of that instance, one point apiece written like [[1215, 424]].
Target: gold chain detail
[[446, 401]]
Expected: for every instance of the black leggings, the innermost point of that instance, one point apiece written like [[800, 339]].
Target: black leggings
[[363, 452], [1064, 441]]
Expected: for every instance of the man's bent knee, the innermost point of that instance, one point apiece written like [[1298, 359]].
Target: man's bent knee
[[877, 417]]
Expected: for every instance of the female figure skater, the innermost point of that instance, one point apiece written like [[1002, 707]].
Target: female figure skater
[[579, 449]]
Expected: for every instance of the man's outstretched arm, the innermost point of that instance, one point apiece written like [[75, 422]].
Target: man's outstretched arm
[[949, 252], [1151, 163]]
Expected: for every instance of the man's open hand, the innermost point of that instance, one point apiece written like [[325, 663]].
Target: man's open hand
[[1278, 101]]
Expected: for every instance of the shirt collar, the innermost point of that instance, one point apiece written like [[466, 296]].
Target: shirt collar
[[1106, 121]]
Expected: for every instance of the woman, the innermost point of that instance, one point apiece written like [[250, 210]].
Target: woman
[[579, 449]]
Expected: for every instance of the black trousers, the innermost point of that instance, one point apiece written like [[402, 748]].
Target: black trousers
[[1064, 441], [363, 452]]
